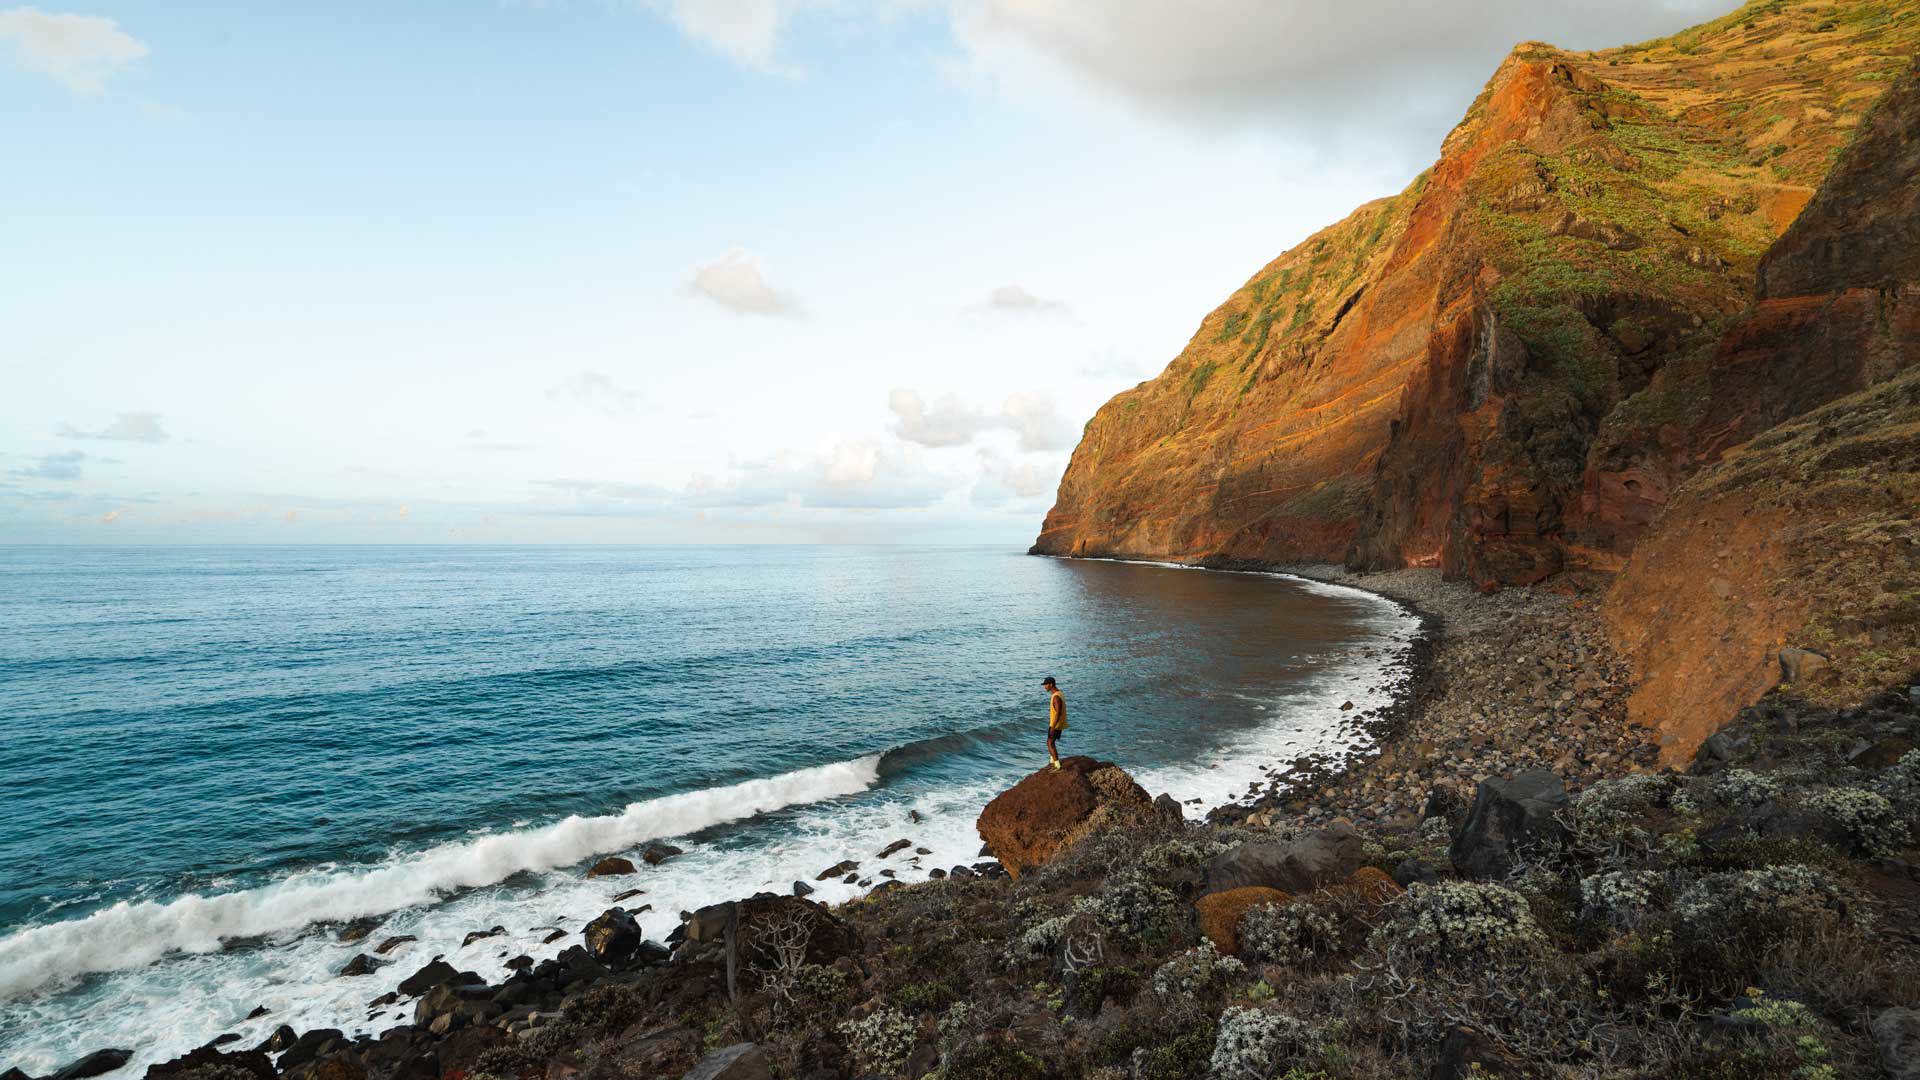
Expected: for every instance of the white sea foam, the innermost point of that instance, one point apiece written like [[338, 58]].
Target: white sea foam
[[132, 935], [164, 1009]]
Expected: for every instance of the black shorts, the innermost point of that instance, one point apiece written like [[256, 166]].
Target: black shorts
[[1054, 733]]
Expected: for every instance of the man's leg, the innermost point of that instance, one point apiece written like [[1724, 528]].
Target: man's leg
[[1053, 755]]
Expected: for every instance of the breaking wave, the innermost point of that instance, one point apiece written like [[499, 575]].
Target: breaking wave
[[132, 935]]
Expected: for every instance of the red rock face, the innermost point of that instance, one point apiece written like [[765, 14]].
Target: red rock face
[[1053, 809], [1504, 370], [1797, 532]]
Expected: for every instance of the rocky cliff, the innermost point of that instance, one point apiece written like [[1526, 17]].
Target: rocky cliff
[[1504, 369], [1797, 535]]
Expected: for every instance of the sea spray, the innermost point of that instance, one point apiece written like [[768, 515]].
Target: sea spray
[[130, 935]]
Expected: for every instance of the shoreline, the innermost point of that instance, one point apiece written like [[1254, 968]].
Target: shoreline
[[1463, 713]]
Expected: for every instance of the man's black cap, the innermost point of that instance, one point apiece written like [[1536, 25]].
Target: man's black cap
[[1048, 681]]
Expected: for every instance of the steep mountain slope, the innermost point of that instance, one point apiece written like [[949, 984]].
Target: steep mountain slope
[[1806, 534], [1471, 373]]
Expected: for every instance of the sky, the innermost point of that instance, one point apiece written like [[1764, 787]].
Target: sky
[[682, 271]]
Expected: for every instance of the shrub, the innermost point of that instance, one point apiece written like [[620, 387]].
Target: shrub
[[1254, 1044], [881, 1041], [1620, 897], [1294, 934], [1642, 791], [1868, 816], [1199, 971], [1742, 788], [1901, 786], [1449, 921]]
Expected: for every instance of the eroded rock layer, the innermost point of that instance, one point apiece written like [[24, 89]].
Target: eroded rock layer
[[1504, 369]]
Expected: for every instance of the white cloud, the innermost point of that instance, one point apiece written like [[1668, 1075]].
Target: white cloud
[[1013, 484], [64, 465], [744, 30], [1302, 63], [593, 390], [736, 282], [1032, 418], [127, 427], [1014, 300], [851, 476], [947, 422], [82, 51], [1358, 68]]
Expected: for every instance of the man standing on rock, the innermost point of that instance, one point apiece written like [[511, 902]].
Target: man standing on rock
[[1056, 718]]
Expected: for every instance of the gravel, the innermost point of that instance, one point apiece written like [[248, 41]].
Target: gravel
[[1521, 678]]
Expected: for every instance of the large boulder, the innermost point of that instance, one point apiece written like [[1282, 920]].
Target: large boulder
[[1300, 865], [95, 1064], [770, 929], [1508, 816], [1051, 810], [247, 1061], [741, 1061], [1220, 913], [612, 866], [614, 937], [1897, 1033]]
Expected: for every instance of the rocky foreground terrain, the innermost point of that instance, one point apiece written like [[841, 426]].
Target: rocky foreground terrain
[[1624, 395], [1756, 915]]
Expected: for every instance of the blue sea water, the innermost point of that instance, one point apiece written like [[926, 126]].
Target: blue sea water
[[211, 758]]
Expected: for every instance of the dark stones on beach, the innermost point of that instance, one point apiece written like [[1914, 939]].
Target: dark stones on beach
[[282, 1037], [245, 1062], [838, 869], [310, 1046], [361, 964], [357, 930], [392, 943], [482, 935], [261, 1010], [850, 879], [801, 888], [437, 972], [553, 937], [1507, 817], [612, 866], [897, 845], [94, 1064], [523, 962], [628, 895], [613, 938], [656, 853]]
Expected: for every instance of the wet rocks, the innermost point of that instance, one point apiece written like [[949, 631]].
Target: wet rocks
[[838, 869], [612, 866], [361, 964], [95, 1064], [393, 943], [482, 935], [310, 1046], [656, 853], [897, 845], [614, 937], [245, 1061], [436, 972]]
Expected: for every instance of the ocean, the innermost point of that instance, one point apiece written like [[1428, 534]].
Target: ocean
[[211, 758]]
